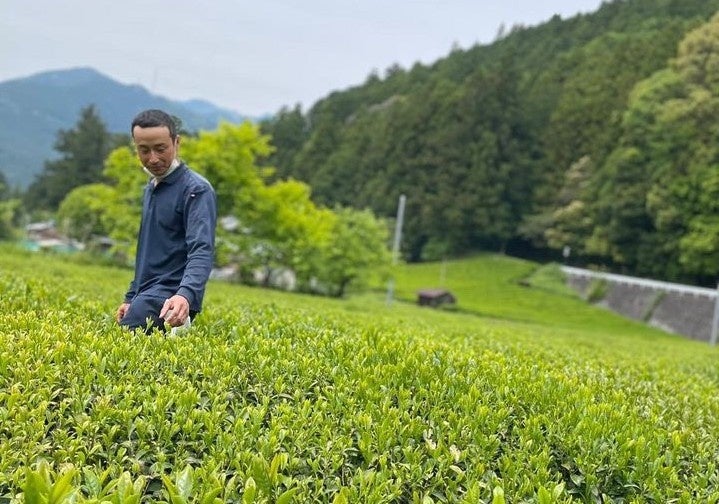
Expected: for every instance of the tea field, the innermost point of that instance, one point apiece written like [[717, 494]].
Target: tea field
[[523, 394]]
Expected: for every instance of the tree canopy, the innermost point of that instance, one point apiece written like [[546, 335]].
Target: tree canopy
[[82, 150], [274, 225], [594, 133]]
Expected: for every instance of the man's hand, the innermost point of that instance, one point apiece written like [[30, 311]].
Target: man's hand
[[175, 310], [121, 311]]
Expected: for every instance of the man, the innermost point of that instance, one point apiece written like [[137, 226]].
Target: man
[[176, 241]]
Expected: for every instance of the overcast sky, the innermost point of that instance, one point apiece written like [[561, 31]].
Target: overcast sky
[[252, 57]]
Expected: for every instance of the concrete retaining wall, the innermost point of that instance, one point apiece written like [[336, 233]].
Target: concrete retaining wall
[[675, 308]]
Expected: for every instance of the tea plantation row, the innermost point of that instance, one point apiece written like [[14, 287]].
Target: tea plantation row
[[284, 398]]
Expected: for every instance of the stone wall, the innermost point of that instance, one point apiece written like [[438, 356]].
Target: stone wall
[[675, 308]]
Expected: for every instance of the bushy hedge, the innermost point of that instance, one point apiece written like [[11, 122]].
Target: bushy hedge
[[280, 402]]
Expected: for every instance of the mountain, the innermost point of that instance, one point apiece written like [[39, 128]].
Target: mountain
[[34, 108]]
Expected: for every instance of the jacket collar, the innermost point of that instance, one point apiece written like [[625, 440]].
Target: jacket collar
[[168, 178]]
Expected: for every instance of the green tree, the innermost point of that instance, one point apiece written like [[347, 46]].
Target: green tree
[[586, 119], [83, 213], [4, 188], [623, 228], [83, 149], [485, 185], [277, 224], [9, 210], [229, 158], [289, 129], [654, 212], [569, 223], [292, 230], [682, 200], [357, 249], [481, 141], [118, 213]]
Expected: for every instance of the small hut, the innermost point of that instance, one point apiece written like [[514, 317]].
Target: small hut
[[435, 297]]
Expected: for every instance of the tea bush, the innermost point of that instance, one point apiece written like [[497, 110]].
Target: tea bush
[[283, 398]]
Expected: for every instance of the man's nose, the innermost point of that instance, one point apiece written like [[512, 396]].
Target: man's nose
[[153, 156]]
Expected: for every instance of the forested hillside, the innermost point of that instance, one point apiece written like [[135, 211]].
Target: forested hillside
[[595, 133]]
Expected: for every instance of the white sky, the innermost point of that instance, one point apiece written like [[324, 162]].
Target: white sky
[[252, 57]]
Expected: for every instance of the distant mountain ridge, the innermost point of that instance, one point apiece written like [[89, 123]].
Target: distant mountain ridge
[[34, 108]]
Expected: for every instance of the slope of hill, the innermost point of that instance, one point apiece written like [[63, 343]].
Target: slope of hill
[[275, 397], [36, 107], [574, 133]]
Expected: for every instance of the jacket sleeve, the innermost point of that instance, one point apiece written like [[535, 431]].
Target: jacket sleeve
[[200, 221], [132, 289]]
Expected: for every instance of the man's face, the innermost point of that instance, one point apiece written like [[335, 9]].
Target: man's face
[[155, 148]]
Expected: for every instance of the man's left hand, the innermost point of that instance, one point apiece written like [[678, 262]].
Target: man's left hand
[[175, 310]]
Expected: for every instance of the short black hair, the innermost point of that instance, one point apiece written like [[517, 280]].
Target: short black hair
[[152, 118]]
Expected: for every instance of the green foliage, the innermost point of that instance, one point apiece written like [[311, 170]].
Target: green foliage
[[119, 214], [83, 150], [569, 133], [278, 225], [586, 119], [550, 278], [288, 128], [355, 250], [284, 398], [83, 210], [597, 290], [570, 220], [9, 210], [655, 195], [291, 229], [228, 157]]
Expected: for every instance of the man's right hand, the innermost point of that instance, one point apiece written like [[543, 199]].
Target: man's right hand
[[121, 311]]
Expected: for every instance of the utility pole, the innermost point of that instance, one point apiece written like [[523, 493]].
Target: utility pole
[[715, 321], [398, 229], [395, 245]]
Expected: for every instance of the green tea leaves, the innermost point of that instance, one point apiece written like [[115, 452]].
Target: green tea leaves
[[279, 399]]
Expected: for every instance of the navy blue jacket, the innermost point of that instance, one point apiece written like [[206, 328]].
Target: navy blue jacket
[[176, 242]]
